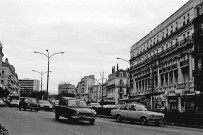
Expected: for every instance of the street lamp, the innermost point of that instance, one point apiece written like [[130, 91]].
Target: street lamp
[[48, 56], [129, 75], [41, 73]]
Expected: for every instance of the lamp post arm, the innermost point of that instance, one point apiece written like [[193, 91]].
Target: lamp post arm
[[124, 60], [41, 53], [55, 54]]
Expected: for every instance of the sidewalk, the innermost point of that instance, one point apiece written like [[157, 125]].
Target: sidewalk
[[164, 123]]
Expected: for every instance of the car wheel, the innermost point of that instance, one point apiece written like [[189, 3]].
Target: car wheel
[[19, 108], [119, 118], [30, 109], [92, 121], [24, 109], [57, 116], [144, 121], [36, 110]]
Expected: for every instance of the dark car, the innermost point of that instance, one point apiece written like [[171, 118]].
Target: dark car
[[76, 109], [45, 105], [28, 103]]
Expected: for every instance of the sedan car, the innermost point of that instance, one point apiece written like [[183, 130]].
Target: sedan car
[[14, 103], [29, 103], [137, 112], [74, 109], [45, 105]]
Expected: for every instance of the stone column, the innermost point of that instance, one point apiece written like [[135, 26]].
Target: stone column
[[159, 78], [179, 72], [191, 68]]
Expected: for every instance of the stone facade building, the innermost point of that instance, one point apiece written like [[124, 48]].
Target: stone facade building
[[116, 89], [162, 64], [84, 85]]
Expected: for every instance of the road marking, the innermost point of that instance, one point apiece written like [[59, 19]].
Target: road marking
[[73, 131], [36, 118]]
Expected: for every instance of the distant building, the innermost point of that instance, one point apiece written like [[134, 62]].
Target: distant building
[[116, 88], [84, 85], [66, 88], [27, 86]]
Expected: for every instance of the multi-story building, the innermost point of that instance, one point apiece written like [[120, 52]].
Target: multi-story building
[[27, 86], [162, 63], [84, 86], [116, 89], [66, 88], [9, 78], [198, 53], [96, 92]]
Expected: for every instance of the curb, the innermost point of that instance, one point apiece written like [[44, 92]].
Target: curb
[[164, 123]]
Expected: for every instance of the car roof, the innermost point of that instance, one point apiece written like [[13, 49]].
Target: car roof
[[67, 98]]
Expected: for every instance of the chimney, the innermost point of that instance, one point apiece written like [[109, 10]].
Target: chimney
[[6, 60], [117, 67]]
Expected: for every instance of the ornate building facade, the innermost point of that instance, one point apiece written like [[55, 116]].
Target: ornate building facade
[[162, 64]]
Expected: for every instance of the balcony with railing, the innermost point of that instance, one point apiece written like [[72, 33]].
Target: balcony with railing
[[184, 63], [186, 41]]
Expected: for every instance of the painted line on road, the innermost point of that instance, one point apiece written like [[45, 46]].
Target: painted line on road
[[72, 131], [36, 118]]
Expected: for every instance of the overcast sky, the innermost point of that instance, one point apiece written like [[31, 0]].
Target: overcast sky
[[92, 33]]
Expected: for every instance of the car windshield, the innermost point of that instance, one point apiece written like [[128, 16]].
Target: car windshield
[[44, 102], [95, 104], [77, 103]]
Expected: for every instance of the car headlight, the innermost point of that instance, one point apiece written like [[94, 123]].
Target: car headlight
[[76, 112], [94, 112]]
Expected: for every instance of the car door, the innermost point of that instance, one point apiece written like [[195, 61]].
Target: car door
[[133, 113], [124, 111]]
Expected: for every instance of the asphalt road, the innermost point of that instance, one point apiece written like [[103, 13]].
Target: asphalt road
[[43, 123]]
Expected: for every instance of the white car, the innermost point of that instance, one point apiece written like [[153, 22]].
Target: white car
[[136, 112], [14, 103]]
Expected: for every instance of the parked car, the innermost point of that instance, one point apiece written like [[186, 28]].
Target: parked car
[[28, 103], [137, 112], [2, 102], [76, 109], [45, 105], [14, 103]]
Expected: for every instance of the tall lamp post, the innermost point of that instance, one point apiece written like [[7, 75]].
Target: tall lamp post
[[129, 75], [41, 73], [48, 56]]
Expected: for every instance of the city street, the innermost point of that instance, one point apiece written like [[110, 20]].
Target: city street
[[43, 123]]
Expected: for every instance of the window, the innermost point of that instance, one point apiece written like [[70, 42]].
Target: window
[[171, 29], [188, 18], [184, 21], [124, 107], [2, 72], [121, 74], [176, 25]]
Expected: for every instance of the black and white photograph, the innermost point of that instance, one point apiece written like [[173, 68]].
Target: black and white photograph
[[101, 67]]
